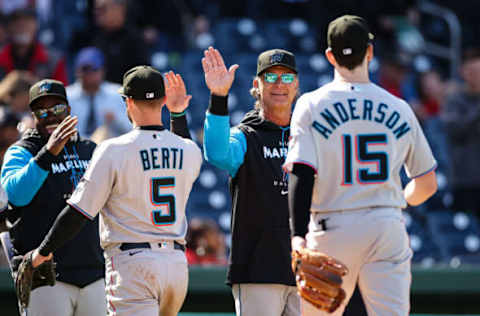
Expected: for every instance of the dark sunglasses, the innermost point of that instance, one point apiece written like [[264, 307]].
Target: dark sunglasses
[[271, 77], [57, 109]]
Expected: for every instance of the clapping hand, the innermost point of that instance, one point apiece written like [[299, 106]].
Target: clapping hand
[[217, 77]]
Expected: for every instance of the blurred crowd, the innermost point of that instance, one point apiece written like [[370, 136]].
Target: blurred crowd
[[89, 44]]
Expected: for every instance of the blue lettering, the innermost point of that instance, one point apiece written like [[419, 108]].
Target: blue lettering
[[165, 158], [174, 151], [145, 161], [392, 120], [153, 152], [367, 110], [342, 113], [181, 160], [330, 118], [353, 108], [401, 130], [381, 112], [321, 129]]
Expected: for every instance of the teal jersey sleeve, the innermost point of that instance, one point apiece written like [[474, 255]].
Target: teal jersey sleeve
[[224, 147], [22, 177]]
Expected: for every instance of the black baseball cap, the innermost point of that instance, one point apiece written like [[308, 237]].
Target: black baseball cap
[[143, 83], [47, 87], [348, 36], [276, 57]]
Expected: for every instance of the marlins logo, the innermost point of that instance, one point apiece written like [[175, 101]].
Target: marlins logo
[[276, 58], [45, 87]]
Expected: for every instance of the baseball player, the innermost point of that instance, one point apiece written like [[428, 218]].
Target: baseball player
[[39, 173], [139, 183], [253, 153], [350, 138]]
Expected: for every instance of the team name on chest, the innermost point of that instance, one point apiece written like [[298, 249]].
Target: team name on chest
[[64, 166], [340, 113], [161, 158]]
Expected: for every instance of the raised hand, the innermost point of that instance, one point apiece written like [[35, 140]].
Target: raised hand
[[176, 93], [61, 135], [217, 77]]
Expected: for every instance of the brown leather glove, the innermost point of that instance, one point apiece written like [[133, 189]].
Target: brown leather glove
[[319, 278]]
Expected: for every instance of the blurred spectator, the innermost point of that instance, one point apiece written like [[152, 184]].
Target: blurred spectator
[[162, 22], [205, 243], [93, 100], [432, 91], [462, 118], [57, 32], [7, 7], [3, 30], [396, 77], [14, 93], [25, 52], [122, 44], [8, 131]]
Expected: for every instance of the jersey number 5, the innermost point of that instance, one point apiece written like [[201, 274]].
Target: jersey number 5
[[365, 157], [157, 199]]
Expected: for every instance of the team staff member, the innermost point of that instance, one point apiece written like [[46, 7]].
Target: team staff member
[[39, 173], [139, 183], [253, 153], [356, 137]]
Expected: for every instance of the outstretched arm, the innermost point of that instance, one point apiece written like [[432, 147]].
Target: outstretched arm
[[67, 225], [177, 103], [223, 147]]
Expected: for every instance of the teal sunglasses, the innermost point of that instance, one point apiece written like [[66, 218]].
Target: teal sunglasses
[[286, 78], [57, 109]]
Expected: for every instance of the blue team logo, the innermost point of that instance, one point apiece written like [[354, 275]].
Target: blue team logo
[[276, 58], [45, 87]]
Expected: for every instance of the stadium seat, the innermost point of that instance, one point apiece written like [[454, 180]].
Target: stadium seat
[[456, 233], [425, 251]]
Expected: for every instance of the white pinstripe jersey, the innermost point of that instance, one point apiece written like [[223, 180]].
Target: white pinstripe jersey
[[140, 183], [357, 137]]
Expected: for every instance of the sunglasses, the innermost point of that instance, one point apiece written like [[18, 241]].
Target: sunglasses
[[57, 109], [272, 77]]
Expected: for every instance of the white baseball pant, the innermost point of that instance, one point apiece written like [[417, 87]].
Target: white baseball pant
[[253, 299], [65, 299], [374, 245], [146, 282]]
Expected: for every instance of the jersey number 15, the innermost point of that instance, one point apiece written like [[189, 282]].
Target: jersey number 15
[[364, 156]]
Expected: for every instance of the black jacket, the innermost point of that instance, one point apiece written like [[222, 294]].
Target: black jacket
[[260, 220], [80, 261]]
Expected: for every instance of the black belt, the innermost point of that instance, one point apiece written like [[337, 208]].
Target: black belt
[[136, 245]]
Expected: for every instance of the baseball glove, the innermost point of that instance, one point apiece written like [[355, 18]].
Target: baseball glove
[[27, 278], [319, 278]]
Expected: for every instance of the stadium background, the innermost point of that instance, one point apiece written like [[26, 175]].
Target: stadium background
[[413, 39]]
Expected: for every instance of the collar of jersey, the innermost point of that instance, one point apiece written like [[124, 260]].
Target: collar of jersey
[[151, 128]]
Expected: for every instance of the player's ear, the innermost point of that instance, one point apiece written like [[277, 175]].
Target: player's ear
[[369, 52], [255, 82], [330, 57], [129, 102]]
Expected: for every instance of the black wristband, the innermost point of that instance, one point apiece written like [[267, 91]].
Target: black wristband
[[179, 126], [218, 104], [44, 158]]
